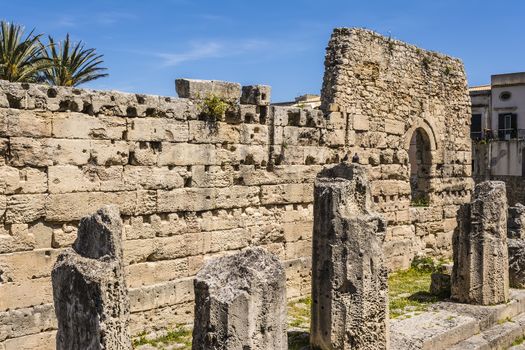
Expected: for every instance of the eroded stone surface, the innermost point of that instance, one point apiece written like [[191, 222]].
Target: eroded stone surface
[[481, 272], [516, 221], [240, 303], [349, 276], [89, 290]]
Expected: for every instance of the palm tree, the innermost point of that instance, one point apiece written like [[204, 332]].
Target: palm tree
[[72, 64], [21, 59]]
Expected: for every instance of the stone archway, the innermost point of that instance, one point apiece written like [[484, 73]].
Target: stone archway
[[420, 165]]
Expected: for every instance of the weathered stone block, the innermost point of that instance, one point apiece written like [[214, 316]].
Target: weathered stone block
[[89, 289], [256, 95], [240, 303], [349, 275], [481, 267], [200, 89], [516, 222], [516, 248]]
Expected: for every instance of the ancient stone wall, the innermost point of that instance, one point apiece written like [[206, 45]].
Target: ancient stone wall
[[380, 92], [190, 187]]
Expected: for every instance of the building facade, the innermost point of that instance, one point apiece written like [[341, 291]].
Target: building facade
[[498, 132]]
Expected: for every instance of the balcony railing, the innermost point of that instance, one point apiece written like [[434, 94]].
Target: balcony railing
[[498, 135]]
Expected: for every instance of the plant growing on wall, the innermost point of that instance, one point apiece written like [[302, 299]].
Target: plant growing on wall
[[21, 59], [214, 106], [72, 64]]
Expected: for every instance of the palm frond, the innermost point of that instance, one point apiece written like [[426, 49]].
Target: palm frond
[[21, 59], [72, 63]]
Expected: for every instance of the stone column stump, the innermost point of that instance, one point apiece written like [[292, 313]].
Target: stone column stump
[[349, 277], [240, 303], [481, 267], [89, 291]]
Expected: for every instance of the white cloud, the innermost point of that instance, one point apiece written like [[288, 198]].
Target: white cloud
[[212, 49]]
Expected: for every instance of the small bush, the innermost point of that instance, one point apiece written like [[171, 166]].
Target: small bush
[[215, 107]]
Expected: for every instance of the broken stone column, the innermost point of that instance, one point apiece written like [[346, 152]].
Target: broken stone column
[[349, 276], [240, 303], [481, 268], [89, 290], [516, 245], [516, 222]]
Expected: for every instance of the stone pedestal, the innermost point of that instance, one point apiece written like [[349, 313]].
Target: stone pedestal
[[240, 303], [481, 271], [89, 290], [349, 277]]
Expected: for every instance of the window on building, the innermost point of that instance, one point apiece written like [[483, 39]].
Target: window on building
[[475, 127], [507, 126]]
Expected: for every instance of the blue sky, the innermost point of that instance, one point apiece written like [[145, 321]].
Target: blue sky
[[148, 43]]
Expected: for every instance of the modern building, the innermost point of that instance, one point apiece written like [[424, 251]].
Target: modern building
[[498, 132], [498, 109]]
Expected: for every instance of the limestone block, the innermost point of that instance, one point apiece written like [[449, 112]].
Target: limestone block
[[481, 265], [15, 237], [20, 123], [516, 222], [38, 341], [157, 129], [22, 180], [211, 176], [84, 126], [395, 127], [156, 272], [516, 247], [106, 152], [22, 208], [90, 280], [199, 199], [186, 154], [286, 193], [24, 294], [200, 89], [46, 152], [26, 321], [73, 206], [349, 275], [161, 295], [240, 303], [27, 265], [256, 95], [152, 178], [254, 134], [71, 178], [225, 240], [361, 123], [144, 153], [219, 132]]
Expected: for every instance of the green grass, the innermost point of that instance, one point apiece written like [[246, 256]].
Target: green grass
[[179, 335], [518, 341], [409, 292], [299, 313]]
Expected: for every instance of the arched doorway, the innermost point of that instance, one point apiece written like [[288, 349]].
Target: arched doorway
[[420, 158]]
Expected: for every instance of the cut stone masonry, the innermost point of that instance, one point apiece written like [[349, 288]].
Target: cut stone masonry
[[191, 187]]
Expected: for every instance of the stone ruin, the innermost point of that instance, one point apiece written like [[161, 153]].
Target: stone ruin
[[240, 303], [481, 267], [89, 289], [182, 180], [349, 275], [516, 245]]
